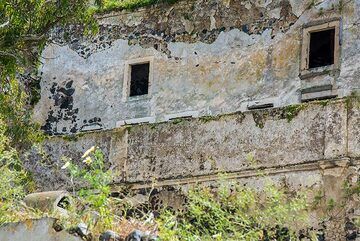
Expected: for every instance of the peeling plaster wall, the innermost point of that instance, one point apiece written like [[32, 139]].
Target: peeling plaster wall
[[209, 58]]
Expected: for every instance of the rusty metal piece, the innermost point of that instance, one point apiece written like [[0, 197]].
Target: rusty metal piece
[[49, 201]]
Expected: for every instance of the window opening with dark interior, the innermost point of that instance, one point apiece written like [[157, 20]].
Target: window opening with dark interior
[[139, 82], [322, 44]]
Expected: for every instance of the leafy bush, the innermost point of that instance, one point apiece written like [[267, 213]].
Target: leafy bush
[[234, 212], [94, 207], [94, 204], [228, 211], [15, 118], [14, 182]]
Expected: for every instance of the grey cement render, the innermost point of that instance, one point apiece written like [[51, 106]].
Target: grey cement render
[[187, 149], [312, 147], [34, 230], [242, 58]]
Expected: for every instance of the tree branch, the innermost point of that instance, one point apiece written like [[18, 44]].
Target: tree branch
[[5, 24]]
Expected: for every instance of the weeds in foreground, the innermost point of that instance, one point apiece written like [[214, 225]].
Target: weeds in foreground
[[234, 212], [224, 211], [15, 182], [93, 205]]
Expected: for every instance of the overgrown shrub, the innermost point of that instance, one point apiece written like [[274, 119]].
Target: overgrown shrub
[[94, 206], [224, 211], [235, 212], [15, 182]]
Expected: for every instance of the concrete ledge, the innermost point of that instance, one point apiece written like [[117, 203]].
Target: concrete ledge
[[318, 165], [135, 121], [293, 136], [318, 93], [262, 103], [193, 114]]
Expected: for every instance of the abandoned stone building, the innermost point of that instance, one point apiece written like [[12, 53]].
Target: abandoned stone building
[[177, 93]]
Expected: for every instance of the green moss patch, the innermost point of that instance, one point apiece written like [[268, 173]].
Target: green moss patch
[[291, 111], [111, 5]]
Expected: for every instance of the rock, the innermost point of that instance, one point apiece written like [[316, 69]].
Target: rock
[[82, 230], [110, 236], [153, 238], [135, 236]]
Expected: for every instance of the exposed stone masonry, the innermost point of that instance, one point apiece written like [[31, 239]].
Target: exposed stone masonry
[[185, 22]]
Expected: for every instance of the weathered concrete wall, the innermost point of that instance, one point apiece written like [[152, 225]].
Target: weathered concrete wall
[[283, 139], [209, 57], [34, 230], [313, 146]]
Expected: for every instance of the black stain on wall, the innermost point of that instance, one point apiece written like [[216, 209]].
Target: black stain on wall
[[62, 110]]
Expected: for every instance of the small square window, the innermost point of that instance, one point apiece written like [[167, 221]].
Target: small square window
[[320, 48], [138, 78], [139, 82], [321, 51]]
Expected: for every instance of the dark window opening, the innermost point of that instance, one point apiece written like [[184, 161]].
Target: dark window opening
[[322, 46], [139, 83]]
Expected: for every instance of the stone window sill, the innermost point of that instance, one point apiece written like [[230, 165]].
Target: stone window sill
[[325, 70], [138, 98]]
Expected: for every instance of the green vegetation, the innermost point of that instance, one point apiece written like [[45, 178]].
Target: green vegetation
[[24, 28], [260, 118], [234, 212], [15, 117], [341, 6], [229, 212], [311, 4], [93, 198], [226, 211], [353, 100], [110, 5], [14, 181], [208, 118], [292, 111]]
